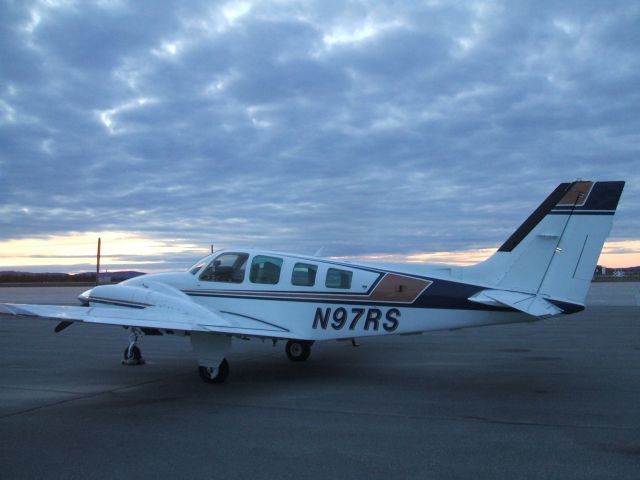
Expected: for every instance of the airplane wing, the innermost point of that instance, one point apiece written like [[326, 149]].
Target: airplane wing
[[528, 303], [155, 317]]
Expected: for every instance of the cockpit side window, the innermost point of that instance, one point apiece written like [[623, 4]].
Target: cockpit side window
[[265, 269], [227, 267]]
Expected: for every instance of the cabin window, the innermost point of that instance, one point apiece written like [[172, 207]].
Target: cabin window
[[265, 269], [228, 267], [338, 278], [304, 274]]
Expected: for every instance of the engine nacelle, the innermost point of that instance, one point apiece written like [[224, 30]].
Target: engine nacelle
[[145, 295]]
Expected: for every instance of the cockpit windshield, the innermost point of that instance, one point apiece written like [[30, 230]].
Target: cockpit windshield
[[226, 267], [195, 268]]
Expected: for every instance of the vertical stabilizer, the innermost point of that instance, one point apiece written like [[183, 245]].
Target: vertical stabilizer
[[554, 252]]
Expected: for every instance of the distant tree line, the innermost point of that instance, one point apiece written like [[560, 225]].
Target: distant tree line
[[27, 277], [85, 277]]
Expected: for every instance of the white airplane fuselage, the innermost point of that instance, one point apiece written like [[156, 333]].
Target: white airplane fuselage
[[377, 301]]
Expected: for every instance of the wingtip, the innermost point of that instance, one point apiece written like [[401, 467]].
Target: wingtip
[[15, 310]]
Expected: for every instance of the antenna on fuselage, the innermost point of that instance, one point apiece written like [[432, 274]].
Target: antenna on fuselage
[[212, 248]]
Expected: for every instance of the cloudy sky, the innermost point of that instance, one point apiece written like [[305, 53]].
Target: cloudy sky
[[428, 129]]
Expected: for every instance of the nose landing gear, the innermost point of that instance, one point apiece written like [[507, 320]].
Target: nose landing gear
[[132, 354]]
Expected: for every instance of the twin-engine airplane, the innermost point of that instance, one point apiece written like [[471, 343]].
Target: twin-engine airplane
[[543, 270]]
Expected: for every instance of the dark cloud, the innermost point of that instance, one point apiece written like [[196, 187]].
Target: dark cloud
[[358, 126]]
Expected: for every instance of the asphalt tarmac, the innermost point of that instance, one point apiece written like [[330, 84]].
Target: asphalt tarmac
[[554, 399]]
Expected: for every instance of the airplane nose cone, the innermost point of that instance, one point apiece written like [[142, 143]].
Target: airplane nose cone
[[83, 298]]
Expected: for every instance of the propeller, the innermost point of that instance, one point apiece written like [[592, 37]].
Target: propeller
[[65, 323]]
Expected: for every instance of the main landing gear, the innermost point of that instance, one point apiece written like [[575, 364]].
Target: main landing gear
[[211, 350], [298, 350], [214, 375]]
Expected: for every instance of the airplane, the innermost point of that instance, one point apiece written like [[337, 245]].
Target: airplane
[[542, 270]]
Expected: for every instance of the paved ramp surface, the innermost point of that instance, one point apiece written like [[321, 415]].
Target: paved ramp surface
[[614, 293], [555, 399]]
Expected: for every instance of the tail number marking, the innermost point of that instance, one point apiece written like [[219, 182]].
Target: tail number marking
[[370, 318]]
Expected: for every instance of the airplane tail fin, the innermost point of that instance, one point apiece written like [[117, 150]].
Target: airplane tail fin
[[553, 254]]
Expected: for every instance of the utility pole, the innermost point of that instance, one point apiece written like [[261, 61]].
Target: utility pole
[[98, 264]]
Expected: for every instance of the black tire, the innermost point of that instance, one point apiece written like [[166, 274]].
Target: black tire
[[298, 350], [207, 373], [135, 354]]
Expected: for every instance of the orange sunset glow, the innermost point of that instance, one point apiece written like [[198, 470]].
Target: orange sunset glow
[[71, 253]]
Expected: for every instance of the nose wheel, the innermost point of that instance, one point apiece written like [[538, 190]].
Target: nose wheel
[[132, 354], [298, 350]]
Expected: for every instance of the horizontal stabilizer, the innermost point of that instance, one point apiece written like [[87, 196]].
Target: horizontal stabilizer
[[525, 302]]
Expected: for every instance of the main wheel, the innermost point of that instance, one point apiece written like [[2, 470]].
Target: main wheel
[[298, 350], [134, 354], [214, 375]]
